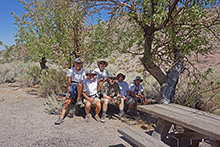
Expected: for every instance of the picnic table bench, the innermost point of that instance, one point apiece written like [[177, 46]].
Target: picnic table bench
[[196, 123]]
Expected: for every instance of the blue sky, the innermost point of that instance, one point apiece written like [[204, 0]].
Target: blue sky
[[6, 21]]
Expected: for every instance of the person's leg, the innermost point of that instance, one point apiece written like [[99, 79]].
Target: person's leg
[[88, 107], [79, 90], [65, 107], [105, 106], [121, 109], [130, 102], [97, 108], [104, 110], [129, 107], [121, 106], [135, 105], [144, 101]]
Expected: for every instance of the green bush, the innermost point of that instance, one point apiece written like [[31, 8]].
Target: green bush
[[53, 82]]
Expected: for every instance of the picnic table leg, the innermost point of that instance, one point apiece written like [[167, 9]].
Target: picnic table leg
[[161, 129]]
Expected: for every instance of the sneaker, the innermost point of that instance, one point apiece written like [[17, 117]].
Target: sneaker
[[59, 121], [103, 118], [97, 118], [79, 102], [87, 118]]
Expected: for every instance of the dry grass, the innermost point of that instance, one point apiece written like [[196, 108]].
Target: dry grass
[[202, 92]]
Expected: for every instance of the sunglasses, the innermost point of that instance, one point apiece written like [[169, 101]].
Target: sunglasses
[[78, 63], [112, 78]]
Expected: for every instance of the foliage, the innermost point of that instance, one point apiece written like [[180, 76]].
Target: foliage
[[162, 31], [51, 29], [52, 105], [53, 82], [201, 91]]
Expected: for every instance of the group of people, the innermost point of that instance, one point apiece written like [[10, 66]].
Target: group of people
[[99, 88]]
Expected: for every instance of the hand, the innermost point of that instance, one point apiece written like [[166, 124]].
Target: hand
[[67, 95], [91, 100]]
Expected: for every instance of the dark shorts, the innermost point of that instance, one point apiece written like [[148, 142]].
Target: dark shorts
[[73, 90]]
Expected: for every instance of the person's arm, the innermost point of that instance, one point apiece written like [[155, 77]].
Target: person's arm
[[128, 94], [142, 94], [107, 97], [88, 98]]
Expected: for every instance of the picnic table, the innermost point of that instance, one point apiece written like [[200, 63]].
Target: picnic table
[[196, 123]]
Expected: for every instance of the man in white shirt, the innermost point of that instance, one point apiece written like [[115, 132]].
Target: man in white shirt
[[102, 73], [136, 88], [75, 77], [90, 86]]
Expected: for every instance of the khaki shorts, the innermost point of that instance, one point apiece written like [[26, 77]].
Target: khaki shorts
[[96, 100], [109, 101]]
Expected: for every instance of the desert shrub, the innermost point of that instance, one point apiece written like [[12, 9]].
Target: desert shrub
[[201, 91], [151, 87], [55, 105], [53, 82], [13, 71], [32, 76]]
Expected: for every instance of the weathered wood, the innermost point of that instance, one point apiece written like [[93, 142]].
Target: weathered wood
[[140, 138], [204, 116], [186, 117], [161, 129], [191, 135]]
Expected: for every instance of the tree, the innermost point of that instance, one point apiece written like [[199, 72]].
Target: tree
[[51, 29], [163, 33]]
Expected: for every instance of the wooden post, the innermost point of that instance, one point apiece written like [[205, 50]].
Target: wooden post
[[161, 129]]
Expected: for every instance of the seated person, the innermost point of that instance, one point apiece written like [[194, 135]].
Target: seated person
[[123, 85], [90, 95], [135, 88], [111, 94], [101, 72], [75, 77]]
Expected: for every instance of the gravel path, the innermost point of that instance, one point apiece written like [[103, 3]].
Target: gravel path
[[24, 122]]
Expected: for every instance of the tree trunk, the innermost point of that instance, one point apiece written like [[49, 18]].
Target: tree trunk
[[167, 81], [43, 63], [168, 88]]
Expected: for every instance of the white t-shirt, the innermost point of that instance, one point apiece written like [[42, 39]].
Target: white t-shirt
[[123, 88], [136, 89], [101, 75], [90, 87], [76, 76]]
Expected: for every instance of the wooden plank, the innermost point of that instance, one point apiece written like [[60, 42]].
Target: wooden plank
[[188, 112], [140, 138], [185, 121], [203, 113]]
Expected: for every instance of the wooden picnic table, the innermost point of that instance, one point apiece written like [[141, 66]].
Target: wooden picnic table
[[201, 125]]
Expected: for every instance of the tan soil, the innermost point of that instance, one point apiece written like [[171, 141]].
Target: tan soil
[[24, 122]]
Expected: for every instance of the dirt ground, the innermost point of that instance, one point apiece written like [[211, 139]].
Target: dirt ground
[[24, 122]]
